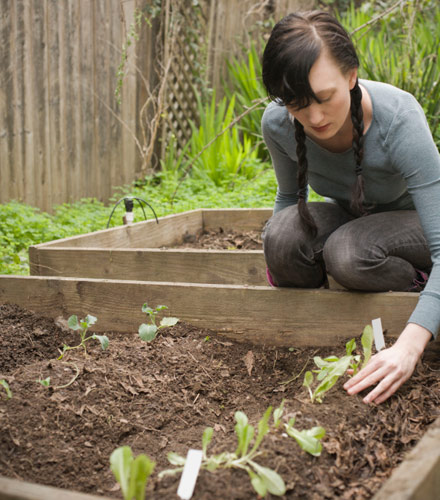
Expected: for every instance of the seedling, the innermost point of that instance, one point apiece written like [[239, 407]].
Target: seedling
[[148, 332], [131, 473], [309, 440], [263, 479], [82, 326], [5, 385], [332, 368], [45, 382]]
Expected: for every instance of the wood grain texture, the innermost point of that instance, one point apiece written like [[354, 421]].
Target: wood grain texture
[[260, 314], [12, 489], [238, 219], [239, 267]]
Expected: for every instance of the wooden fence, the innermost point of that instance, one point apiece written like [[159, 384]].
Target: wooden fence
[[63, 135]]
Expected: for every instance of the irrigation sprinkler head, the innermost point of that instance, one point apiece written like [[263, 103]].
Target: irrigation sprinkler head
[[129, 205]]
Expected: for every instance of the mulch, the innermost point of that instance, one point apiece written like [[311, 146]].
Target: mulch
[[158, 397]]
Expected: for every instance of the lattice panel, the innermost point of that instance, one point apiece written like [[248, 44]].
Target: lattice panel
[[187, 77]]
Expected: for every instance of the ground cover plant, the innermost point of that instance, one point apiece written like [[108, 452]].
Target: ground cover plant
[[159, 397]]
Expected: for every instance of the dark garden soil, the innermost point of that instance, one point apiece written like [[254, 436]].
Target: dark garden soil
[[223, 240], [159, 397]]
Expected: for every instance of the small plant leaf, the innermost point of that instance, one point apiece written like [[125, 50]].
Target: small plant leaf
[[103, 339], [147, 332], [308, 379], [44, 382], [263, 428], [161, 308], [146, 309], [175, 458], [308, 440], [244, 431], [257, 483], [367, 343], [206, 439], [278, 413], [73, 322], [271, 479], [168, 321], [120, 464], [5, 385], [90, 320], [141, 469], [350, 346]]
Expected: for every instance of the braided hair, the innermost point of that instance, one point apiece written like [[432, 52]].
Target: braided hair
[[293, 47]]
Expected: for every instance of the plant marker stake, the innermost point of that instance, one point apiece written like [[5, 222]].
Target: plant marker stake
[[379, 341], [189, 474]]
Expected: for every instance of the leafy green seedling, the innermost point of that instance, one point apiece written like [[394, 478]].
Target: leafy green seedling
[[330, 369], [5, 385], [309, 440], [82, 326], [263, 479], [45, 382], [148, 332], [131, 473]]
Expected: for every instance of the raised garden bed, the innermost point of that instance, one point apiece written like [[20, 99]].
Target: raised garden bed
[[159, 397], [162, 252]]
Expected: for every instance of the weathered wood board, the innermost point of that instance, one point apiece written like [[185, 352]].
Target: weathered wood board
[[260, 314], [133, 252], [13, 489]]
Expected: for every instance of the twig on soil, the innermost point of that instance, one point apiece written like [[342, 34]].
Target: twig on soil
[[299, 374], [201, 366], [73, 379]]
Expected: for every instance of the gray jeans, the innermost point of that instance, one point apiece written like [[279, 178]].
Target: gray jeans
[[378, 252]]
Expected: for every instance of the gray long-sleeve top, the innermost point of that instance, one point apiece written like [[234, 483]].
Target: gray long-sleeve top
[[401, 168]]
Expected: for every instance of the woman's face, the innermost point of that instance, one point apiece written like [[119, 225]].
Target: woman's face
[[328, 119]]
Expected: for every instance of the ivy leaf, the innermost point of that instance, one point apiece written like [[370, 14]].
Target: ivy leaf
[[147, 332]]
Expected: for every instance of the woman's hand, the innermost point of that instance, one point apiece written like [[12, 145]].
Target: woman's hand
[[390, 368]]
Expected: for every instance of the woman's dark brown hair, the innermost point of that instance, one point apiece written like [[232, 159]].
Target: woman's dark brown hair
[[293, 47]]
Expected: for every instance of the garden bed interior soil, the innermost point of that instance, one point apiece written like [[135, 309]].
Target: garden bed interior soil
[[159, 397], [220, 239]]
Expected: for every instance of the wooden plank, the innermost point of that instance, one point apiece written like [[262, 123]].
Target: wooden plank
[[259, 314], [238, 219], [418, 477], [13, 489], [240, 267], [146, 234]]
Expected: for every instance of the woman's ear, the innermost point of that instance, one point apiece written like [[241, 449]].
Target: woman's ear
[[353, 76]]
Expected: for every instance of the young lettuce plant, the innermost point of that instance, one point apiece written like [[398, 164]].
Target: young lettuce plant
[[131, 473], [309, 439], [148, 332], [5, 386], [330, 369], [263, 479], [83, 325]]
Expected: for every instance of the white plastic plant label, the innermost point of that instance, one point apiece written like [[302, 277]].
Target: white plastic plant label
[[379, 341], [189, 474]]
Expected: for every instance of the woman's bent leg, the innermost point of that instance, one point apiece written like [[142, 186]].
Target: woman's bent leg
[[293, 257], [379, 252]]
